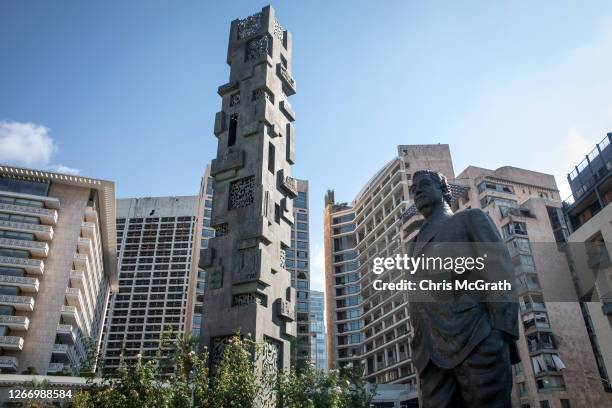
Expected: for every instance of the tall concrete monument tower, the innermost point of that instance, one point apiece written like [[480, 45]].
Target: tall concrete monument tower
[[247, 285]]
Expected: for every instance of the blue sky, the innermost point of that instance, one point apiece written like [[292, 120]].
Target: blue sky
[[127, 90]]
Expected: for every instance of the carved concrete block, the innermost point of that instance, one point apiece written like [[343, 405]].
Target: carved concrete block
[[206, 258], [219, 123], [247, 265], [232, 159]]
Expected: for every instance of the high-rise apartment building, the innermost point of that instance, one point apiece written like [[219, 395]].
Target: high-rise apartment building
[[318, 347], [372, 328], [297, 262], [557, 368], [154, 241], [364, 326], [203, 233], [57, 265], [248, 287], [589, 215]]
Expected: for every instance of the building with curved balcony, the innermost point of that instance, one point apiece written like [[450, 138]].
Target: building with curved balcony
[[57, 267], [367, 327]]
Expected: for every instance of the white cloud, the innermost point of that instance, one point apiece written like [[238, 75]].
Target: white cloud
[[26, 144], [29, 145], [60, 168]]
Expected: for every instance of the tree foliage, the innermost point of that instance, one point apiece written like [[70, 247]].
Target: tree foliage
[[234, 383]]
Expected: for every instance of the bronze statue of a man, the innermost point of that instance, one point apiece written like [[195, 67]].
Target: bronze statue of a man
[[462, 346]]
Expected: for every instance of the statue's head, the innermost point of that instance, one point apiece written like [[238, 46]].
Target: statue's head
[[430, 191]]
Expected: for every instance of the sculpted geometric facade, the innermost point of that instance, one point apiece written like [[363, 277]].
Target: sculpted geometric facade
[[252, 210]]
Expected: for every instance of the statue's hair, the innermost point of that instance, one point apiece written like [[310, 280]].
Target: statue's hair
[[440, 179]]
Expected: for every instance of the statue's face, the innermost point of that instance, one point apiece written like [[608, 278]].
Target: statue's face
[[427, 194]]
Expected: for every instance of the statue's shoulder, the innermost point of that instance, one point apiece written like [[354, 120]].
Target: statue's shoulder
[[470, 215]]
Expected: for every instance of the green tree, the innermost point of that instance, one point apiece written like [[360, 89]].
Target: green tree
[[234, 383]]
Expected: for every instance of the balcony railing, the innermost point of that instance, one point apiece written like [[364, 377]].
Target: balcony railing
[[66, 332], [42, 232], [15, 322], [539, 346], [60, 348], [9, 363], [18, 302], [50, 202], [46, 215], [77, 278], [24, 283], [71, 315], [91, 215], [521, 287], [35, 266], [85, 247], [73, 295], [533, 307], [55, 368], [88, 229], [81, 262], [39, 249], [593, 168], [11, 342]]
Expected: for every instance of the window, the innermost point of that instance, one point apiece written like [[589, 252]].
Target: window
[[271, 157], [17, 235], [302, 217], [544, 404], [486, 185], [345, 242], [346, 256], [233, 125], [343, 218], [19, 218], [514, 228], [21, 201], [39, 188], [565, 403], [301, 200], [344, 228]]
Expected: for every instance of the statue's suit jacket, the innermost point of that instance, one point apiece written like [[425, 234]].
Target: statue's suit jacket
[[445, 332]]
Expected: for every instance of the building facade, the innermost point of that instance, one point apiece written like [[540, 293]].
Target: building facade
[[366, 327], [297, 261], [57, 266], [155, 237], [203, 233], [556, 370], [318, 347], [589, 216], [248, 287], [372, 328]]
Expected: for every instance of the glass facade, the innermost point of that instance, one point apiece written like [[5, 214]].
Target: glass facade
[[206, 196], [297, 262], [318, 349]]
